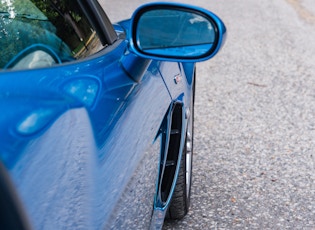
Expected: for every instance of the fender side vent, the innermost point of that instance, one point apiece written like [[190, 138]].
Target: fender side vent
[[170, 162]]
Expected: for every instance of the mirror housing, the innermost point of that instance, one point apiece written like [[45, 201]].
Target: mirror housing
[[175, 32]]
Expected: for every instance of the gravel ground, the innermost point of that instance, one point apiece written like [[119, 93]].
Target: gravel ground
[[254, 165]]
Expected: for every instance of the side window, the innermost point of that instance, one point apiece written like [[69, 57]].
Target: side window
[[56, 31]]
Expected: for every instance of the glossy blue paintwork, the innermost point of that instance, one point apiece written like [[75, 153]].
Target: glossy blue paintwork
[[82, 140], [81, 152]]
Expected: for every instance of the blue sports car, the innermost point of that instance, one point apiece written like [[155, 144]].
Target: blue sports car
[[96, 121]]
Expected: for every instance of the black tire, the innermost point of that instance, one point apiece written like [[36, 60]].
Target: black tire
[[12, 215], [180, 202]]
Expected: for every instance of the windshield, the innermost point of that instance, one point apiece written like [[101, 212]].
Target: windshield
[[59, 27]]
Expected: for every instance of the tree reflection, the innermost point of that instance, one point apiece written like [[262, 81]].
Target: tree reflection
[[59, 24]]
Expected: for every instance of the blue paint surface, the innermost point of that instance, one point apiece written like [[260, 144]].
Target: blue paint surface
[[81, 139]]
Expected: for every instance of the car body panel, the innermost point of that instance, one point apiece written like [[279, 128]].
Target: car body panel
[[84, 141], [93, 137]]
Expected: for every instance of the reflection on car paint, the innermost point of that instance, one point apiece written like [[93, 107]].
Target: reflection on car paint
[[93, 127]]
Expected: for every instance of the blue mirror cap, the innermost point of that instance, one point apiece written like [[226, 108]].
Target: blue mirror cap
[[220, 32]]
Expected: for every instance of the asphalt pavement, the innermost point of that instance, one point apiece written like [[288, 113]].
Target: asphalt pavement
[[254, 160]]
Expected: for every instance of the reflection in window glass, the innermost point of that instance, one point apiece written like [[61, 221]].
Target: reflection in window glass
[[59, 25]]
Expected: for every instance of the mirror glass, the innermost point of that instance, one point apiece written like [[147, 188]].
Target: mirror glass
[[175, 33]]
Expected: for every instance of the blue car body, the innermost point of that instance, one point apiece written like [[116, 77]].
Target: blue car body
[[82, 141]]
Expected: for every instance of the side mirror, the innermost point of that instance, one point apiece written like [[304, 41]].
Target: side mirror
[[175, 32]]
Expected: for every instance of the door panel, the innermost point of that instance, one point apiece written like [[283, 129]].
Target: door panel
[[80, 170], [131, 154]]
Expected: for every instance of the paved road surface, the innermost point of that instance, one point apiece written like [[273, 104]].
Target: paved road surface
[[254, 165]]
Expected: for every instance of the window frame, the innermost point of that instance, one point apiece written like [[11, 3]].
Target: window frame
[[99, 20]]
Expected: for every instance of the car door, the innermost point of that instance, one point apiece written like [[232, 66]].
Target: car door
[[130, 153], [81, 141], [92, 164]]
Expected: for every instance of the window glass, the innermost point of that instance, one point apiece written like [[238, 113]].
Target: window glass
[[30, 29]]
